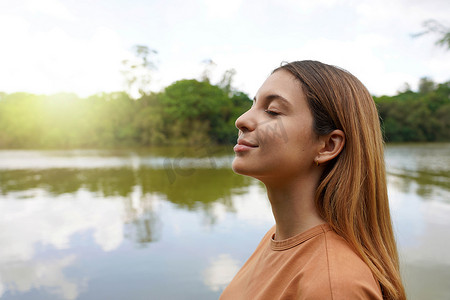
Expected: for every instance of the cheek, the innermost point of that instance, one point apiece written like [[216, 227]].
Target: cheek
[[275, 132], [305, 138], [302, 142]]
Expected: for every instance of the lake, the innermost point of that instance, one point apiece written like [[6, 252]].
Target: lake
[[177, 223]]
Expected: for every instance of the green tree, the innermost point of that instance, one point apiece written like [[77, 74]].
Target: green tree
[[149, 121], [417, 116], [200, 107], [426, 85]]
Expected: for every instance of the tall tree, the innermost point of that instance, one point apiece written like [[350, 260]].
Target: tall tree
[[426, 85], [137, 70], [226, 83], [433, 26], [209, 66]]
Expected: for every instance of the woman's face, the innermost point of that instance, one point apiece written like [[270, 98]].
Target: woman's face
[[276, 138]]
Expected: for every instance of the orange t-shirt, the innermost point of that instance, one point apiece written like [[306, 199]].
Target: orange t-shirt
[[315, 264]]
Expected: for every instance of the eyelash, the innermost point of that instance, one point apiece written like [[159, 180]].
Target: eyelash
[[271, 112]]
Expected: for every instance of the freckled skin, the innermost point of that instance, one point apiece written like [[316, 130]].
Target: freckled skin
[[287, 144]]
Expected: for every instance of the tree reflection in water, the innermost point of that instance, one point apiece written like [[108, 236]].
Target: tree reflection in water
[[137, 188]]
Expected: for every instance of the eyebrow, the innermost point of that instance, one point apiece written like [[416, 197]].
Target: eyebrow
[[273, 97]]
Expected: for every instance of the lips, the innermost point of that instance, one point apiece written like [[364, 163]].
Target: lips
[[244, 145]]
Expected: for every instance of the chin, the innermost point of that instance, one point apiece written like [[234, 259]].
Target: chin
[[236, 167], [242, 168], [239, 167]]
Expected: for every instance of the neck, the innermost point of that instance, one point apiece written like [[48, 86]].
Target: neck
[[293, 207]]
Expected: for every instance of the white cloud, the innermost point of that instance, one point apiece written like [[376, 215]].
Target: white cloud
[[53, 8], [400, 15], [52, 61], [368, 56], [222, 8], [370, 39], [306, 6]]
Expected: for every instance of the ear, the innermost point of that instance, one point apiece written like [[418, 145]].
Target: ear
[[332, 145]]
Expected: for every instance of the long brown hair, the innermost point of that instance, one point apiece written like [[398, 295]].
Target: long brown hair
[[352, 193]]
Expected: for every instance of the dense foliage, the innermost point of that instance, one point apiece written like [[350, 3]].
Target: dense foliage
[[422, 116], [188, 112]]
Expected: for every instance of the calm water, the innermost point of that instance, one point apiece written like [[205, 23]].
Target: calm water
[[178, 223]]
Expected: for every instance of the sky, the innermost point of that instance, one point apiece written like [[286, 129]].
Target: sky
[[51, 46]]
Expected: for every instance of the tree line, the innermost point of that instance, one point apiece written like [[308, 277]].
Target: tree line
[[188, 112], [422, 116]]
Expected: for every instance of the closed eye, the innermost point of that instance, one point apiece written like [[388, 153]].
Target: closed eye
[[270, 112]]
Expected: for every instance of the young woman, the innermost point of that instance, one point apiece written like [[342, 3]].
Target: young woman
[[313, 138]]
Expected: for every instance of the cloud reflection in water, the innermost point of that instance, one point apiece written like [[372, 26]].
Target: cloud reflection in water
[[220, 272], [51, 222]]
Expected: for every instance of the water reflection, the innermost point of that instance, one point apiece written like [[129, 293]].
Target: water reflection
[[419, 191], [154, 158], [20, 277], [199, 187], [141, 217], [74, 224], [424, 167], [220, 272], [30, 227], [55, 210], [103, 199]]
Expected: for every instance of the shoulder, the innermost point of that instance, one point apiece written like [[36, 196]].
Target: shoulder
[[328, 268], [349, 276]]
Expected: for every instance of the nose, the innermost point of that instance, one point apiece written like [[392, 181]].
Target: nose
[[246, 122]]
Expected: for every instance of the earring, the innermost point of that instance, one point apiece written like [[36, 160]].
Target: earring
[[317, 163]]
